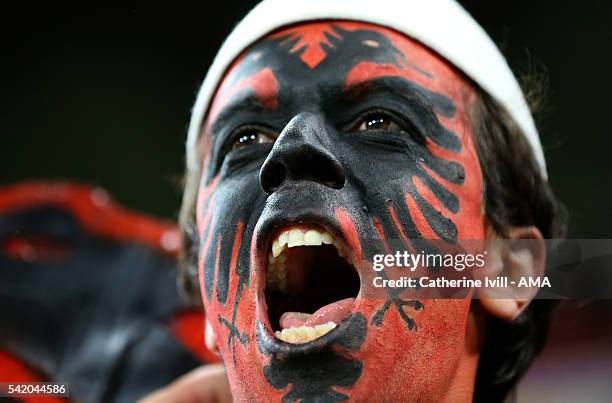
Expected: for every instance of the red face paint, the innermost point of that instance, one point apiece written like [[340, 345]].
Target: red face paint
[[372, 145], [308, 41]]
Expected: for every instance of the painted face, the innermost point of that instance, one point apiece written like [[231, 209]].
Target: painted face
[[324, 142]]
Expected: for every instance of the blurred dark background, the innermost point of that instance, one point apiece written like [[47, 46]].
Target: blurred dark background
[[103, 96]]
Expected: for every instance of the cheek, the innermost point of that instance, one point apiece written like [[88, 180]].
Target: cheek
[[425, 359], [469, 219], [221, 232], [225, 214], [224, 210]]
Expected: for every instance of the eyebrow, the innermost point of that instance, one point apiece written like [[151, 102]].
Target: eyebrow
[[410, 91], [248, 102]]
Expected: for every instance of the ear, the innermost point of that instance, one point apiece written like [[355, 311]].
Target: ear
[[210, 338], [522, 255]]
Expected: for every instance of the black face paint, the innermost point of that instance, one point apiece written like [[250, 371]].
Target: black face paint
[[313, 376]]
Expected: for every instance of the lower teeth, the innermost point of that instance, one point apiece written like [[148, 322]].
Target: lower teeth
[[304, 334]]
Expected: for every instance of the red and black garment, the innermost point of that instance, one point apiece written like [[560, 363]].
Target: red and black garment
[[88, 295]]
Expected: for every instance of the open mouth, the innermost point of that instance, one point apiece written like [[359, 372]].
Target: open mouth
[[311, 283]]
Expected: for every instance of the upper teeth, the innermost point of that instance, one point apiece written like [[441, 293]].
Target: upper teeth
[[291, 238], [297, 237]]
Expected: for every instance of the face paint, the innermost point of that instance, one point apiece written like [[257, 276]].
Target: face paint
[[344, 136]]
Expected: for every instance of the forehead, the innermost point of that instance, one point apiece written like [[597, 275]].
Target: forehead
[[318, 57]]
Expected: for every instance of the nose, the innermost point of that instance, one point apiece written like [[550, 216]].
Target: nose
[[299, 153]]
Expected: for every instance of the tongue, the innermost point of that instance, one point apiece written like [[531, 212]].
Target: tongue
[[293, 319], [334, 312]]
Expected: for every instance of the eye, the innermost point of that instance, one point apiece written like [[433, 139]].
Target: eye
[[377, 121], [247, 137]]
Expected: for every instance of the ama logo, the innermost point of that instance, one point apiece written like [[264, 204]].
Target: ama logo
[[538, 282]]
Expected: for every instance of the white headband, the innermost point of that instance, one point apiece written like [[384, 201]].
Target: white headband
[[442, 25]]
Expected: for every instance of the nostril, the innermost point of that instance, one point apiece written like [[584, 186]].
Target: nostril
[[329, 175], [278, 173], [272, 176]]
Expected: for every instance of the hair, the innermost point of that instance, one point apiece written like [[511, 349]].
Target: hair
[[188, 256], [515, 194]]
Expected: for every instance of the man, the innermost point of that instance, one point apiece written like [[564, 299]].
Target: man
[[323, 132]]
